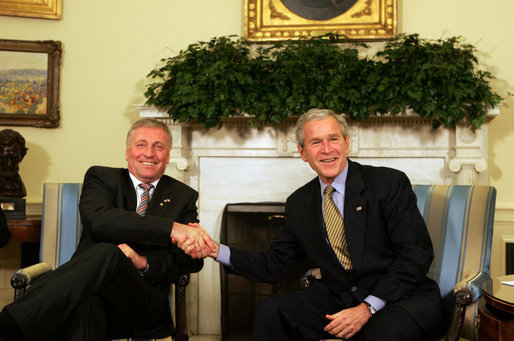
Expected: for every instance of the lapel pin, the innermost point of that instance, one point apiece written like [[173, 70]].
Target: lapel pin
[[165, 201], [359, 208]]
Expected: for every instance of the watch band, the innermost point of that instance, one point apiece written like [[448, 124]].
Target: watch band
[[372, 310]]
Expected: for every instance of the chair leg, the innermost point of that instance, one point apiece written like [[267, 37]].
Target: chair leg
[[180, 308]]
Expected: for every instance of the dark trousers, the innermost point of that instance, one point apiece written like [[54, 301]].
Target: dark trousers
[[97, 295], [301, 316]]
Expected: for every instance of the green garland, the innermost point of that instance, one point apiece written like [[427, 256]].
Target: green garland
[[228, 76]]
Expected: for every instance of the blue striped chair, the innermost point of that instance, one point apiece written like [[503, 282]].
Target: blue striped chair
[[60, 234], [460, 222]]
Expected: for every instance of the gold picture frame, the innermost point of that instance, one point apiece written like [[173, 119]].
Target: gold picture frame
[[43, 9], [29, 83], [278, 20]]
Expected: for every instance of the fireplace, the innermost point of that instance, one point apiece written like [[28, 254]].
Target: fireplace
[[249, 226], [237, 164]]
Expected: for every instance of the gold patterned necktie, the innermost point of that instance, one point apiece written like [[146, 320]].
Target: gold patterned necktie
[[335, 229], [145, 198]]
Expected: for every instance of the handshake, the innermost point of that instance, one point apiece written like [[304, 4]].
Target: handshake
[[194, 241]]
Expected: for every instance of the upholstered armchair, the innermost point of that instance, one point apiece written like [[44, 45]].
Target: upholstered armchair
[[60, 235], [460, 222]]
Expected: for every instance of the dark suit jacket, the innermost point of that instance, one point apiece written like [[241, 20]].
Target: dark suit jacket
[[108, 213], [4, 232], [387, 238]]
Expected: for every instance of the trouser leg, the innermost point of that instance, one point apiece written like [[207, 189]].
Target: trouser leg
[[48, 304], [391, 323], [294, 316]]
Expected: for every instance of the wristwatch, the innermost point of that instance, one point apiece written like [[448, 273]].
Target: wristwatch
[[372, 310]]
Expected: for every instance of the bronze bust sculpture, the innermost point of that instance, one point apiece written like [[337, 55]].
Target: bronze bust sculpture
[[12, 151]]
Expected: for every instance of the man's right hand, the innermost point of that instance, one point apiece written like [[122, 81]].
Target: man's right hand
[[194, 240]]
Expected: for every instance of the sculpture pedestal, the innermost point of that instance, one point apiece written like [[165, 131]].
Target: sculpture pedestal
[[14, 208]]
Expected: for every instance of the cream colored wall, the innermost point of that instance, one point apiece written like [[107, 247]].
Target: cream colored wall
[[110, 46], [108, 49]]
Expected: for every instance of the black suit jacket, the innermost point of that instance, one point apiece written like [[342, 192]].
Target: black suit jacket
[[387, 238], [108, 214]]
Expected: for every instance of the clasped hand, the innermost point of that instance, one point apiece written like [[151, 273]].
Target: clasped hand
[[194, 240]]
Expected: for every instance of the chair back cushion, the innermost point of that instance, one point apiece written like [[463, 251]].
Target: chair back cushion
[[460, 222], [61, 227]]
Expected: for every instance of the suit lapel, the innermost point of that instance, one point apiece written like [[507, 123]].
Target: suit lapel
[[313, 214], [162, 198], [129, 193], [355, 211]]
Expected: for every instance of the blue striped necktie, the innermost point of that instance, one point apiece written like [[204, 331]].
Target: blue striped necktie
[[145, 198], [335, 229]]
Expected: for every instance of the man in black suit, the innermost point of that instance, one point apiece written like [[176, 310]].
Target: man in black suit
[[4, 232], [117, 282], [381, 292]]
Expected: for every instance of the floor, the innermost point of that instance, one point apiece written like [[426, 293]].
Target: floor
[[205, 338]]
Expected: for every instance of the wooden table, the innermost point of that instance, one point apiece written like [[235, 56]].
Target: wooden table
[[25, 230], [496, 310], [28, 232]]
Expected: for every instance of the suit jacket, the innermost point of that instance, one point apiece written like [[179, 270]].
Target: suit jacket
[[108, 214], [388, 241]]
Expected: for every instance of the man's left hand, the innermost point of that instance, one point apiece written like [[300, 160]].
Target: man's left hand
[[140, 262], [348, 322]]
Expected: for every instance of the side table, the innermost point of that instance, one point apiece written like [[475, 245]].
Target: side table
[[496, 310], [28, 232]]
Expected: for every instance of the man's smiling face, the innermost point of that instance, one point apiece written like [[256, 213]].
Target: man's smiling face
[[148, 153], [325, 148]]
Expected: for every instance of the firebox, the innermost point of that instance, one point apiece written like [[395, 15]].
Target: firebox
[[249, 226]]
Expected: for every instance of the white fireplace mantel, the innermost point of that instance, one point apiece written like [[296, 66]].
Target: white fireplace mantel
[[239, 163]]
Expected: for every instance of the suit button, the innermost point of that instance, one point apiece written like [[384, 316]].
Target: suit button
[[354, 289]]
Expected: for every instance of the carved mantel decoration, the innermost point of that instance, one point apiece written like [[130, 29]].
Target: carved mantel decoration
[[462, 151]]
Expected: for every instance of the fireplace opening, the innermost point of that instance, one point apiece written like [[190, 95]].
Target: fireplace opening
[[250, 226]]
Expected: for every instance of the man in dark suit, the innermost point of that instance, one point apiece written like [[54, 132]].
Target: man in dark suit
[[4, 232], [117, 282], [375, 288]]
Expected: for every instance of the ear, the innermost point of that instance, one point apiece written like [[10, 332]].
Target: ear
[[301, 151], [126, 154]]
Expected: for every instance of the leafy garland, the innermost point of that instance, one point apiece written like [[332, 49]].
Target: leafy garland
[[228, 76]]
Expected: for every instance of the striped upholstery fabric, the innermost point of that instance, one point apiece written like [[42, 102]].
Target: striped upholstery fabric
[[460, 222], [61, 225]]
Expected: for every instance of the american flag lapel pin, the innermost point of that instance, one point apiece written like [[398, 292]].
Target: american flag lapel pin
[[165, 201]]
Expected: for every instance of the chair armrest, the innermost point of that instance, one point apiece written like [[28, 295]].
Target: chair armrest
[[24, 277], [466, 292], [180, 308], [474, 283]]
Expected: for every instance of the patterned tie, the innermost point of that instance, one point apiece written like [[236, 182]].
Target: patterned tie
[[335, 229], [145, 198]]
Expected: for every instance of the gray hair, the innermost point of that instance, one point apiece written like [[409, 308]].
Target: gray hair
[[148, 122], [318, 114]]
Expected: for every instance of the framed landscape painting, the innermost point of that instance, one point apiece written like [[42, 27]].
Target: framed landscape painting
[[277, 20], [29, 83]]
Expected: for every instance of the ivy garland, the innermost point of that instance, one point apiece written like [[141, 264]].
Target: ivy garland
[[227, 76]]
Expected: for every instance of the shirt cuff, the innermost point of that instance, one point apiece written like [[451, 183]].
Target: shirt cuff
[[375, 302], [145, 270], [224, 255]]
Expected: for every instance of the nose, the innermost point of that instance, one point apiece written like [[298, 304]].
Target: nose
[[326, 147], [149, 151]]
